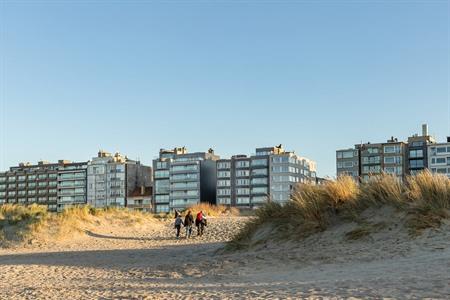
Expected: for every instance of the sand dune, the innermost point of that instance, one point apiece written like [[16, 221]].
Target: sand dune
[[146, 262]]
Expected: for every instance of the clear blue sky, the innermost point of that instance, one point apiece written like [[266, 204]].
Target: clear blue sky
[[136, 76]]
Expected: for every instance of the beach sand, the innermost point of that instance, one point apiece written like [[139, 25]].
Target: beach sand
[[147, 262]]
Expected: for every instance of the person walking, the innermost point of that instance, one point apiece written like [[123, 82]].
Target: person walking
[[198, 222], [178, 223], [188, 222]]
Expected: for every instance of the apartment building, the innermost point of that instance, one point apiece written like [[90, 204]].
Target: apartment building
[[417, 154], [393, 157], [370, 159], [271, 173], [347, 162], [182, 179], [439, 158], [112, 178], [140, 199], [56, 185]]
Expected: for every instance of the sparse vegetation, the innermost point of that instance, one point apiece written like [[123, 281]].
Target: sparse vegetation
[[20, 223], [214, 210], [425, 199]]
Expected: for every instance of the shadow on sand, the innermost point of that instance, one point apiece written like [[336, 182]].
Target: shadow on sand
[[118, 258]]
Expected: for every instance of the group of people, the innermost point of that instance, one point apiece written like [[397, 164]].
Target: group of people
[[200, 222]]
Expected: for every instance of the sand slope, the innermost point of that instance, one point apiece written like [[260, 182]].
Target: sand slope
[[146, 262]]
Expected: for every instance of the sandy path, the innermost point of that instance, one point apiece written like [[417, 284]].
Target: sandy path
[[150, 263]]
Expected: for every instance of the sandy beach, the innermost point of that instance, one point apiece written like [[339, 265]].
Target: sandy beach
[[147, 262]]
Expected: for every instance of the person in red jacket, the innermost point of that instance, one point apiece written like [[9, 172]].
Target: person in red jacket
[[198, 222]]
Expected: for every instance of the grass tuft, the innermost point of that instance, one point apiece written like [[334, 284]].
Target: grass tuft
[[425, 198]]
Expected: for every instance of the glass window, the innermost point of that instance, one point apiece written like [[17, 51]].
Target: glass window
[[441, 149], [225, 200], [440, 160], [221, 174], [242, 173], [256, 172], [242, 164], [12, 179], [416, 153], [161, 165], [31, 177], [392, 149], [243, 191], [242, 181], [162, 198], [259, 190], [223, 182], [262, 180], [259, 162], [243, 200], [416, 163], [223, 192], [224, 165], [42, 176], [185, 168], [161, 173]]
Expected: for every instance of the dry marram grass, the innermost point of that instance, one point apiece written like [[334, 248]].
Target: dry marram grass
[[425, 199]]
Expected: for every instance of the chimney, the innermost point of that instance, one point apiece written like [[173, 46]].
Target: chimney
[[424, 130], [142, 190]]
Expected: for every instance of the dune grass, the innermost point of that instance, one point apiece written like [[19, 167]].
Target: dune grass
[[425, 198], [19, 223], [213, 210]]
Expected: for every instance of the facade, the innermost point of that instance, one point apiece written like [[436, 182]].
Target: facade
[[393, 157], [56, 185], [270, 174], [418, 151], [140, 199], [347, 162], [111, 178], [439, 158], [182, 179]]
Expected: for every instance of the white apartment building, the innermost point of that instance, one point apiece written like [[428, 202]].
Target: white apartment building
[[111, 178], [439, 158]]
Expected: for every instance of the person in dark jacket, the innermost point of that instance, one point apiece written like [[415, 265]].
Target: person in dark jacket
[[188, 222], [178, 223]]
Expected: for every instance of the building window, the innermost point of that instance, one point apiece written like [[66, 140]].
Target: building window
[[161, 165], [392, 159], [223, 183], [259, 180], [259, 190], [242, 164], [259, 199], [392, 149], [259, 162], [257, 172], [243, 191], [224, 165], [185, 168], [242, 181], [161, 173], [416, 153], [224, 201], [373, 150], [223, 192], [243, 200], [162, 198], [223, 174], [416, 163], [242, 173]]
